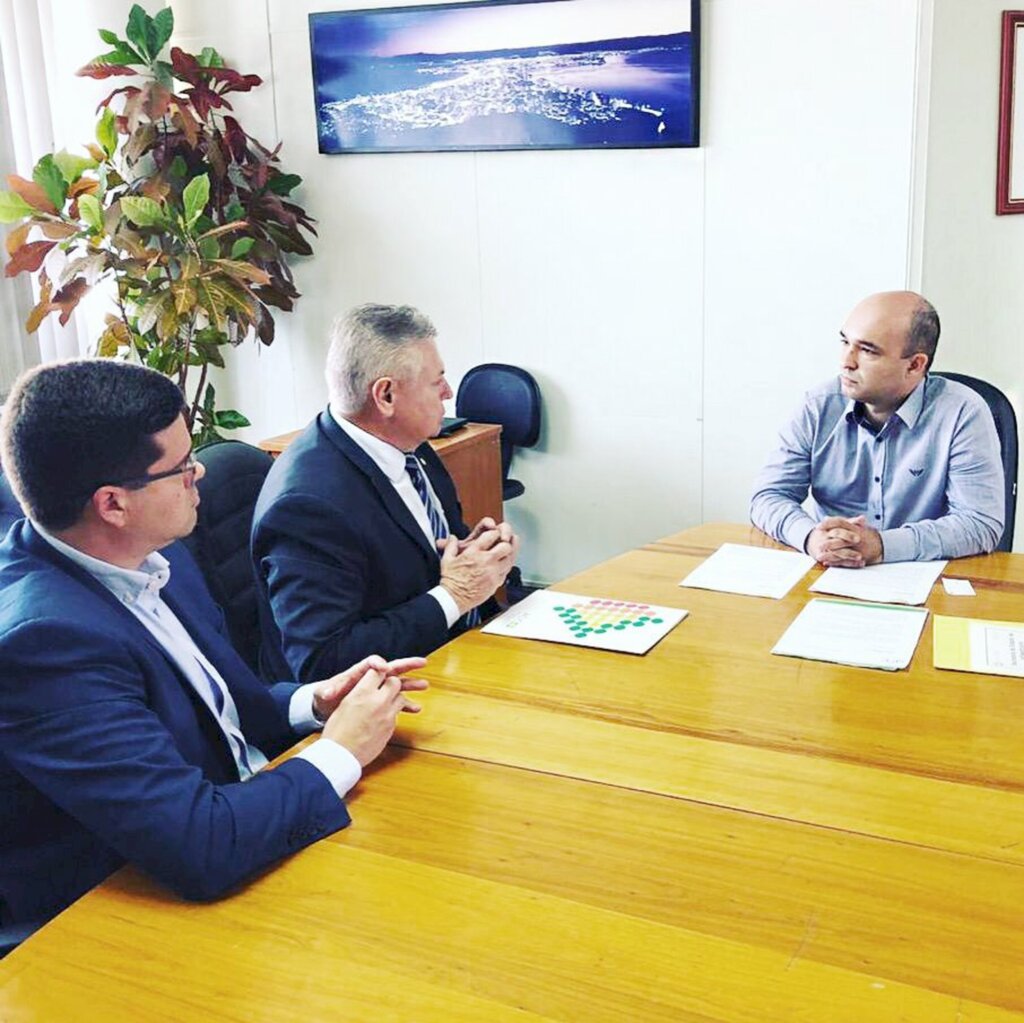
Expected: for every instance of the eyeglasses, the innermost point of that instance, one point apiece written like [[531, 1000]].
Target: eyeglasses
[[186, 468]]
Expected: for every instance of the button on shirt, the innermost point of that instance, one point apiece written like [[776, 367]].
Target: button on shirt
[[391, 462], [139, 591], [930, 480]]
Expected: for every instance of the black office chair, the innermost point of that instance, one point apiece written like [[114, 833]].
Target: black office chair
[[235, 472], [1006, 427], [10, 510], [509, 396]]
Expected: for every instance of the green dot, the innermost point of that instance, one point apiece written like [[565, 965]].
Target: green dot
[[638, 625], [627, 621], [620, 627], [559, 607], [644, 618], [657, 621]]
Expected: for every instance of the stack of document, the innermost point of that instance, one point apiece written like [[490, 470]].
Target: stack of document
[[753, 571], [864, 635]]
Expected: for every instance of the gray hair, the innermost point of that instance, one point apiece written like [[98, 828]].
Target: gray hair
[[370, 342]]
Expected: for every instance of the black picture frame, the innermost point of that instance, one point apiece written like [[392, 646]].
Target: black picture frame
[[434, 78]]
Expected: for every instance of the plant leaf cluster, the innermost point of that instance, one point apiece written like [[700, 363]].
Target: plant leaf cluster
[[188, 214]]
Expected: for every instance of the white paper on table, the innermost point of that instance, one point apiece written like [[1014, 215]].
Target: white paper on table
[[753, 571], [997, 648], [898, 582], [864, 635], [958, 587], [628, 627]]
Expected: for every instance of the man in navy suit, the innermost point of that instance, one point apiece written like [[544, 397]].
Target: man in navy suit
[[130, 730], [358, 540]]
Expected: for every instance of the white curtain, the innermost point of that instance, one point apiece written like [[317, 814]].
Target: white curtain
[[45, 108]]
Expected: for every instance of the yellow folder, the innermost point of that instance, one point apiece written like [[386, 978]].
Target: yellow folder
[[951, 645]]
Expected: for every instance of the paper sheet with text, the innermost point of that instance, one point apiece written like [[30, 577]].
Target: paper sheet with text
[[863, 635], [752, 571], [898, 582]]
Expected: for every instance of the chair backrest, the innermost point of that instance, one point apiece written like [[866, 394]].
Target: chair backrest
[[1006, 427], [10, 510], [235, 472], [497, 393]]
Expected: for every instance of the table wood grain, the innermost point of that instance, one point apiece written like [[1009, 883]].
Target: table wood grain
[[706, 833]]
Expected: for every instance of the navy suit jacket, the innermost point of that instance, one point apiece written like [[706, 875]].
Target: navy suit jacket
[[342, 567], [108, 755]]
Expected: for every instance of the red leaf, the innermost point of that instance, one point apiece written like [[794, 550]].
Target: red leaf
[[29, 257], [155, 100], [185, 66], [32, 193], [236, 139], [68, 297], [128, 90], [99, 70]]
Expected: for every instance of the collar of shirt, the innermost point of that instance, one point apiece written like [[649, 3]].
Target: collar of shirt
[[909, 411], [389, 459], [141, 585]]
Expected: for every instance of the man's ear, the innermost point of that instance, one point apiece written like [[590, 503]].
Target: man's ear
[[918, 363], [108, 505], [382, 393]]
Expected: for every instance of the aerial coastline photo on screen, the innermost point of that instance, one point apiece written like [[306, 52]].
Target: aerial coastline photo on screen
[[544, 73]]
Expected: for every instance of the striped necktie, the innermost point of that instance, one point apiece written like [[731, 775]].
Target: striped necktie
[[437, 520]]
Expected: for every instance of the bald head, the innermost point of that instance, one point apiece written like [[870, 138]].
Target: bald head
[[903, 316]]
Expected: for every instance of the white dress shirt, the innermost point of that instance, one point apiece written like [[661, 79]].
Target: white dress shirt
[[391, 461], [139, 591]]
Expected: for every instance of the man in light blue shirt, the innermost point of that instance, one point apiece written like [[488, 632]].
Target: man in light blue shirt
[[885, 463]]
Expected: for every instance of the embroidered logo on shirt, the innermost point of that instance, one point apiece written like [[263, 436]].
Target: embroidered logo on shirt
[[916, 472]]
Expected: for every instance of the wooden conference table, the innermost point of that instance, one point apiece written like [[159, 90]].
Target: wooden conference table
[[706, 833]]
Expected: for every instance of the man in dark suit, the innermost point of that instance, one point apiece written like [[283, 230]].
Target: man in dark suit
[[130, 730], [352, 517]]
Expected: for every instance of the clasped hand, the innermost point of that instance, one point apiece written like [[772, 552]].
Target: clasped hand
[[844, 543], [472, 569], [360, 706]]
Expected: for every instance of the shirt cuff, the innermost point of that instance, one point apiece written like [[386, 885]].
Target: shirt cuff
[[300, 711], [335, 763], [796, 533], [898, 544], [447, 602]]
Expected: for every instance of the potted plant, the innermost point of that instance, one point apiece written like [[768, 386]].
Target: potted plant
[[186, 213]]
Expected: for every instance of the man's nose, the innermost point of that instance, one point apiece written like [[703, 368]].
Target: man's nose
[[447, 392], [849, 357]]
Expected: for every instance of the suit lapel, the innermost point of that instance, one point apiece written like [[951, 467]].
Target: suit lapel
[[41, 549], [393, 504]]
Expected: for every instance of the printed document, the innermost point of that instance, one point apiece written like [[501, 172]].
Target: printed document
[[753, 571], [972, 644], [864, 635], [899, 582]]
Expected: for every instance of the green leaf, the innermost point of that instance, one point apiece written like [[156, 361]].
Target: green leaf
[[46, 174], [163, 22], [209, 248], [106, 131], [235, 211], [110, 37], [195, 198], [71, 166], [138, 31], [91, 212], [282, 184], [229, 419], [242, 247], [178, 167], [210, 58], [141, 211], [164, 74], [13, 207]]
